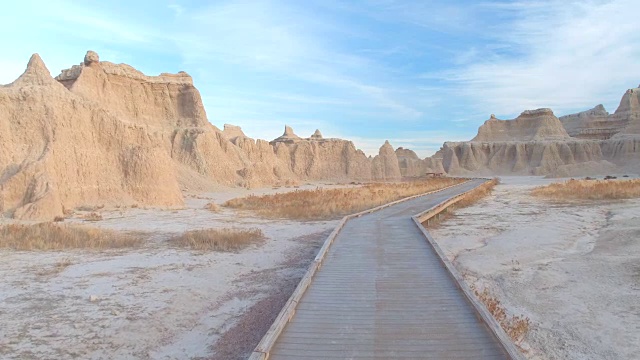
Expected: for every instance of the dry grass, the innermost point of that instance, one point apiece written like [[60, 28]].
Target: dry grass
[[218, 239], [478, 193], [56, 269], [590, 190], [213, 207], [471, 198], [323, 204], [93, 216], [53, 236], [515, 326]]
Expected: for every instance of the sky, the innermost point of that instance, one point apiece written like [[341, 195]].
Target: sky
[[416, 73]]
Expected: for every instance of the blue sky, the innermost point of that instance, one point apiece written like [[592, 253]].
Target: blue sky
[[415, 72]]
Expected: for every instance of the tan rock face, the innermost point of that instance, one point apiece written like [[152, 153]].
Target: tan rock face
[[412, 166], [385, 165], [231, 131], [91, 57], [107, 134], [538, 124], [288, 137], [533, 143], [629, 112], [59, 150]]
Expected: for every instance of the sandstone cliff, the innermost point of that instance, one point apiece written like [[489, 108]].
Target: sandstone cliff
[[317, 158], [59, 151], [412, 166], [385, 165], [540, 147], [538, 124], [103, 133]]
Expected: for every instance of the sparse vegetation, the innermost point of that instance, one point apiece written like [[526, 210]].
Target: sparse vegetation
[[516, 327], [53, 236], [56, 269], [212, 207], [93, 216], [218, 239], [323, 204], [471, 198], [590, 190], [478, 193]]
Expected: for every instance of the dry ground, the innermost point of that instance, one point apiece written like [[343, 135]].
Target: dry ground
[[155, 300], [571, 268]]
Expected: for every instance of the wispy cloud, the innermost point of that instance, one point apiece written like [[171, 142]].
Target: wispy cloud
[[291, 41], [415, 72], [557, 54]]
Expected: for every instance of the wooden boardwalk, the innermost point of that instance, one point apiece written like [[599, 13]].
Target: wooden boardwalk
[[383, 293]]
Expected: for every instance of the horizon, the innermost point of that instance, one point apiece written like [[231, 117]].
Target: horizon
[[412, 73]]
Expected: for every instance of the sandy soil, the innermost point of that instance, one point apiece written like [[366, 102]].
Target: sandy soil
[[572, 268], [157, 301]]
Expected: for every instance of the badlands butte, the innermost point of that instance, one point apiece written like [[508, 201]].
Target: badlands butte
[[106, 134]]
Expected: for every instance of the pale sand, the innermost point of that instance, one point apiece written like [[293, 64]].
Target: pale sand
[[572, 268], [154, 302]]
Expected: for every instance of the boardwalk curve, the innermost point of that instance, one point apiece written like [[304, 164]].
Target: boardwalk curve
[[382, 291]]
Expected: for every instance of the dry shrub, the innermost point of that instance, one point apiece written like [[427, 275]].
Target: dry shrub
[[86, 208], [56, 269], [515, 326], [471, 198], [478, 193], [590, 190], [58, 219], [52, 236], [94, 216], [323, 204], [212, 207], [218, 239]]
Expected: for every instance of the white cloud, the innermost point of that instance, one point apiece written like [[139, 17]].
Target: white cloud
[[288, 42], [558, 54]]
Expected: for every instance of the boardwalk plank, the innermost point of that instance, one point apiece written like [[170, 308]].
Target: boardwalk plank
[[382, 293]]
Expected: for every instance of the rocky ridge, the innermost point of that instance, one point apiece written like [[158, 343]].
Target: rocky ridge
[[538, 143], [106, 134]]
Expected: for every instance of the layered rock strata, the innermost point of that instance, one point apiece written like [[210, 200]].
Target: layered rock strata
[[538, 143], [103, 133]]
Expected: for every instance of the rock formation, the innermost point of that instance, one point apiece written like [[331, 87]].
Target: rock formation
[[289, 137], [231, 132], [106, 134], [629, 112], [385, 165], [412, 166], [538, 124], [317, 158], [591, 124], [59, 150], [317, 135], [534, 143]]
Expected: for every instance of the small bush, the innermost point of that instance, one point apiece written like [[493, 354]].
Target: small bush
[[51, 236], [218, 239], [212, 207], [94, 216], [58, 219]]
